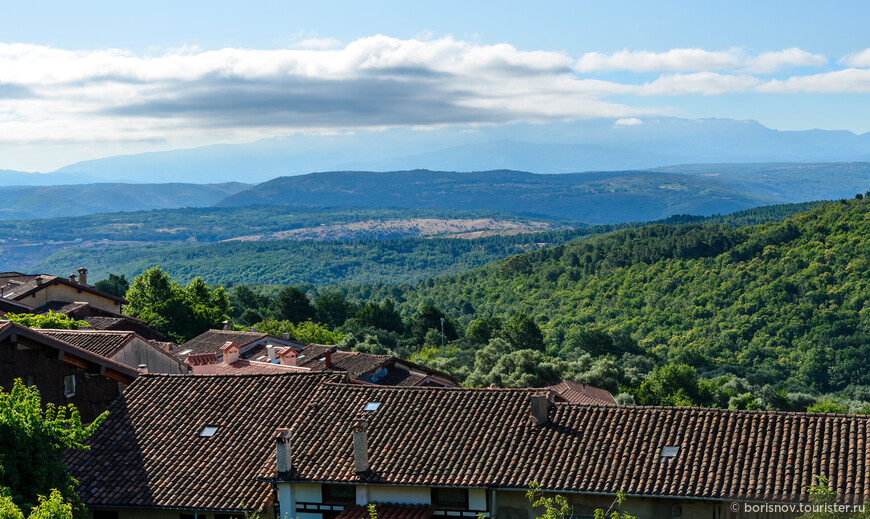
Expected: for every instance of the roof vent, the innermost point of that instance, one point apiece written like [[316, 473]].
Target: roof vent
[[539, 409], [208, 431]]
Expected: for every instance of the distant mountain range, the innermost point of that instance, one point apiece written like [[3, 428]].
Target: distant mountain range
[[76, 200], [589, 145]]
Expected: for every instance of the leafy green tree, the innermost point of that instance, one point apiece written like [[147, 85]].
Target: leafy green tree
[[114, 284], [180, 312], [382, 316], [522, 333], [31, 453], [247, 306], [480, 331], [827, 406], [675, 384], [306, 332], [557, 506], [291, 304], [49, 321], [429, 318], [333, 309], [525, 368]]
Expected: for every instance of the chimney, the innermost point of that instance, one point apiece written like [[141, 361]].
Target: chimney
[[253, 329], [282, 446], [288, 356], [286, 336], [227, 325], [360, 447], [327, 358], [539, 409], [230, 353], [270, 351], [83, 275], [39, 280], [143, 368], [72, 277]]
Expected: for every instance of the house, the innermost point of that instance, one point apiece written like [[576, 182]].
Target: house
[[248, 342], [577, 393], [313, 446], [8, 306], [99, 318], [38, 289], [125, 347], [63, 372], [385, 370], [231, 364]]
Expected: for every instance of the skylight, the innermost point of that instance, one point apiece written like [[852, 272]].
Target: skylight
[[670, 451], [185, 352], [208, 431], [372, 406]]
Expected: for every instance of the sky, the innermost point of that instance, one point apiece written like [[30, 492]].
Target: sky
[[91, 79]]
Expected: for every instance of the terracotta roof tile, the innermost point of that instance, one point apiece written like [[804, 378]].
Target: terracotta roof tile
[[577, 393], [149, 451], [101, 342], [212, 340]]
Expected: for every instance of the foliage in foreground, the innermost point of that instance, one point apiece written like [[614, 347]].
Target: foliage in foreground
[[34, 440], [557, 507]]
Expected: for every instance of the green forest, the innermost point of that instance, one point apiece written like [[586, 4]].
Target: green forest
[[706, 313]]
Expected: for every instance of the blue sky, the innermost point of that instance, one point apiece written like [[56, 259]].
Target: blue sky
[[90, 79]]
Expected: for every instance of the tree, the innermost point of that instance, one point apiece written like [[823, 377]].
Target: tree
[[305, 332], [429, 318], [180, 312], [383, 317], [480, 331], [675, 384], [31, 453], [247, 305], [522, 333], [333, 309], [557, 507], [114, 284], [292, 305]]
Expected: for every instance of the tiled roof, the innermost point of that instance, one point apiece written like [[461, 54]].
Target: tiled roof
[[577, 393], [61, 307], [149, 452], [388, 511], [212, 340], [245, 367], [14, 307], [359, 365], [105, 343], [15, 285]]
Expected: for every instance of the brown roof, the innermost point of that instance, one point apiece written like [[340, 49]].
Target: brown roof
[[359, 365], [388, 511], [105, 343], [149, 452], [212, 340], [14, 307], [244, 367], [15, 285], [577, 393]]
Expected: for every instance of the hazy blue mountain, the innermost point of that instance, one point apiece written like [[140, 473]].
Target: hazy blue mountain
[[602, 197], [21, 178], [587, 145], [76, 200]]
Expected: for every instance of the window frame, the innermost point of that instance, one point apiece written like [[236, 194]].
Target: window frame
[[441, 504]]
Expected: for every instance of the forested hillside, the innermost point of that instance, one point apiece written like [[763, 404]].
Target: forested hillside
[[780, 303]]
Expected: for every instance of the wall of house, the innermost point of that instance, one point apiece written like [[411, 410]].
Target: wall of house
[[39, 365], [68, 294], [515, 505], [138, 351]]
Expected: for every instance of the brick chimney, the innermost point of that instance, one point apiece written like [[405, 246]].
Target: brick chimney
[[288, 356], [539, 408], [230, 353], [360, 447], [282, 446], [83, 275], [327, 358]]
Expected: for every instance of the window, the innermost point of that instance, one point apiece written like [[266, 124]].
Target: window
[[104, 514], [372, 406], [338, 494], [208, 431], [69, 386], [669, 452], [31, 380], [450, 498], [185, 352], [185, 516]]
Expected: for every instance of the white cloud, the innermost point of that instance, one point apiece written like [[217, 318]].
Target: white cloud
[[692, 59], [629, 121], [705, 83], [857, 59], [847, 81], [317, 44]]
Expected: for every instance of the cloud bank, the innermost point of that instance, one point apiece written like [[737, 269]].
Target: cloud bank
[[113, 95]]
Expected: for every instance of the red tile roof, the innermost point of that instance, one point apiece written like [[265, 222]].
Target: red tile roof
[[105, 343], [388, 511], [15, 285], [245, 367], [577, 393], [149, 452]]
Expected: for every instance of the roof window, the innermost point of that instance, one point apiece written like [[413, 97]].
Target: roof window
[[670, 452], [208, 431], [185, 352], [372, 406]]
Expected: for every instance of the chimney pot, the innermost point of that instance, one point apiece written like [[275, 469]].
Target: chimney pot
[[253, 329], [143, 368], [286, 336], [227, 327], [360, 447], [539, 409], [230, 353], [72, 277], [270, 351], [288, 356], [327, 358], [282, 445], [83, 275]]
